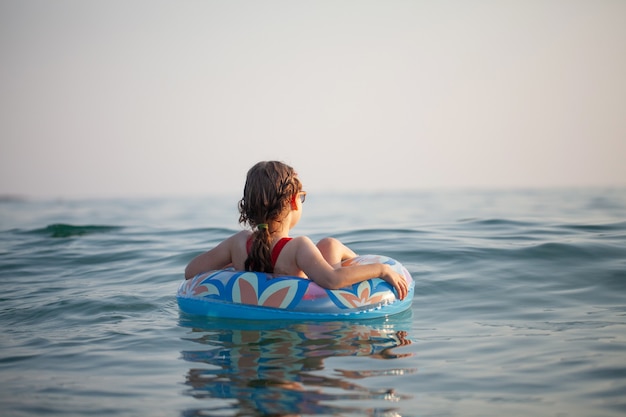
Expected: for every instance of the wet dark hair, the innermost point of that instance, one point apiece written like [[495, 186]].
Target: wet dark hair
[[270, 186]]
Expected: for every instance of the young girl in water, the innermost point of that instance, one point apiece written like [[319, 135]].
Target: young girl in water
[[272, 206]]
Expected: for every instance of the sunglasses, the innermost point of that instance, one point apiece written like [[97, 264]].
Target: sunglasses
[[302, 195]]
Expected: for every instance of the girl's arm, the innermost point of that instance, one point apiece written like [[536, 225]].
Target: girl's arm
[[311, 261], [217, 258]]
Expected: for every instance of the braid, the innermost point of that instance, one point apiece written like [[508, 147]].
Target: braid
[[269, 188], [260, 258]]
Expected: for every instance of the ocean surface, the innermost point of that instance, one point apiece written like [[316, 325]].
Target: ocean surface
[[520, 310]]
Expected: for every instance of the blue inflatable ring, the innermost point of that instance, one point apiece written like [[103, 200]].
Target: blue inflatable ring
[[254, 295]]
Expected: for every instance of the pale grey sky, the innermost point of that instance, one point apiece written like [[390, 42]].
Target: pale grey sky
[[123, 98]]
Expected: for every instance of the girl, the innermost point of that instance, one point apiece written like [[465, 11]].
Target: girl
[[272, 205]]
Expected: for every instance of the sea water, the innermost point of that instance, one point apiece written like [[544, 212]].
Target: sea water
[[519, 310]]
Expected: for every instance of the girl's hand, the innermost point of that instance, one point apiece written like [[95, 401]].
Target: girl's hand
[[396, 280]]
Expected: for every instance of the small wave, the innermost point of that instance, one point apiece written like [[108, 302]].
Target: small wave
[[12, 198], [496, 222], [69, 230], [604, 227]]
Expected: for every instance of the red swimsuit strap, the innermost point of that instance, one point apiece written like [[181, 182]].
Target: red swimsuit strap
[[278, 247]]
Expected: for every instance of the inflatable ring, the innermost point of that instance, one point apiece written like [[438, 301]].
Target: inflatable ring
[[254, 295]]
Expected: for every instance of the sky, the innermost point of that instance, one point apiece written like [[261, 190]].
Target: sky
[[122, 98]]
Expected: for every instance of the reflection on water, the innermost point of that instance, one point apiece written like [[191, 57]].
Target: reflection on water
[[272, 368]]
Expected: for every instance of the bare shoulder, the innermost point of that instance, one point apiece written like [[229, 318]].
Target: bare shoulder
[[243, 235], [231, 250], [303, 242], [239, 239], [305, 250]]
